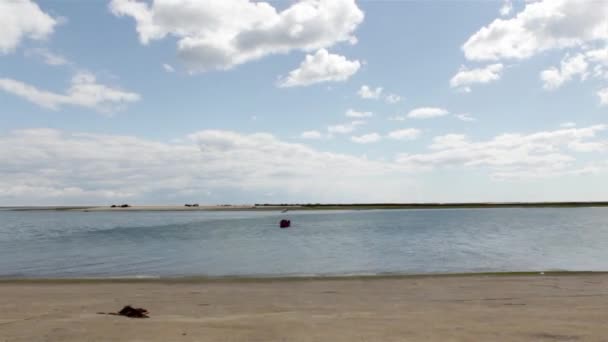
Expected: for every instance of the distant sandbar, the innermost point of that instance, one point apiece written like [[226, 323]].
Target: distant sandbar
[[362, 206]]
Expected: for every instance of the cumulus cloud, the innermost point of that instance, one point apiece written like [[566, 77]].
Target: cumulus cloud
[[427, 113], [543, 25], [570, 67], [345, 128], [466, 77], [603, 95], [506, 8], [540, 26], [405, 134], [510, 153], [592, 63], [366, 138], [22, 19], [311, 135], [217, 35], [321, 67], [83, 92], [365, 92], [351, 113]]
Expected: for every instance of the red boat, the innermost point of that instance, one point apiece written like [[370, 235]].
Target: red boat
[[285, 224]]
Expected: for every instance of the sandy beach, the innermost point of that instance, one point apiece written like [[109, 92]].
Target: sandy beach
[[555, 307]]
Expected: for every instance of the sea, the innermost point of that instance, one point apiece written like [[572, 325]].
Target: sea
[[56, 244]]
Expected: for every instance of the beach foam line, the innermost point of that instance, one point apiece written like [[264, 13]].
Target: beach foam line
[[302, 277]]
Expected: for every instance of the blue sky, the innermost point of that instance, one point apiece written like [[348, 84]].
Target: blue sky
[[302, 101]]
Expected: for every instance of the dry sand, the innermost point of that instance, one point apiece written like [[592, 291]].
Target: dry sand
[[449, 308]]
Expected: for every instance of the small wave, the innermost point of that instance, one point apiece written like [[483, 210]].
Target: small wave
[[121, 277], [137, 276]]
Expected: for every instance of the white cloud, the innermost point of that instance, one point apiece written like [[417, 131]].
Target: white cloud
[[547, 173], [405, 134], [510, 153], [427, 113], [351, 113], [22, 19], [544, 25], [392, 98], [603, 94], [321, 67], [47, 56], [465, 117], [596, 146], [599, 71], [567, 125], [44, 166], [84, 92], [311, 135], [466, 77], [598, 56], [345, 128], [540, 26], [168, 67], [366, 138], [506, 8], [553, 78], [217, 35], [365, 92]]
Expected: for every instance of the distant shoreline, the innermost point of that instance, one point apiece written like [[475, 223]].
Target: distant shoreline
[[363, 206]]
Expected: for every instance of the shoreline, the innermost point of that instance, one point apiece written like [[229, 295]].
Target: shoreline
[[553, 307], [288, 278]]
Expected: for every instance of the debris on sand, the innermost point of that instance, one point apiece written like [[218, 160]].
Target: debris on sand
[[129, 311]]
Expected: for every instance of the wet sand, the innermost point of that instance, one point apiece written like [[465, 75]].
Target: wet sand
[[564, 307]]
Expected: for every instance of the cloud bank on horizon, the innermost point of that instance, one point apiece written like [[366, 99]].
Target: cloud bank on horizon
[[48, 164], [370, 126]]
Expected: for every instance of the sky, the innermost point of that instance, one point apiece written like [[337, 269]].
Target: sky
[[310, 101]]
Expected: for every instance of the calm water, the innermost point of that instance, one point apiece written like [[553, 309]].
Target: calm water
[[69, 244]]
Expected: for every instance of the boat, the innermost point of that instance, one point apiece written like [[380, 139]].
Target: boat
[[285, 223]]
